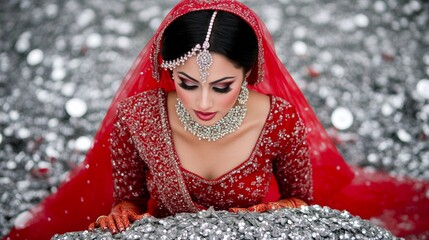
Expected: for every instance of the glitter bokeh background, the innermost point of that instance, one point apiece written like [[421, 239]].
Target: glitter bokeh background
[[363, 65]]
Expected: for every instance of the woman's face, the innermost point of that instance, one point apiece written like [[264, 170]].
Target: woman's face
[[208, 103]]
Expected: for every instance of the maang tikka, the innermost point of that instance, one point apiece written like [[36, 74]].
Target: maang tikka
[[204, 57]]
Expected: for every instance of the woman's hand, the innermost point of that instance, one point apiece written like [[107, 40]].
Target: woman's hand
[[122, 215], [263, 207]]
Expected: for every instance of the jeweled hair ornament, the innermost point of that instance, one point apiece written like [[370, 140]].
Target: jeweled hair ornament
[[204, 57]]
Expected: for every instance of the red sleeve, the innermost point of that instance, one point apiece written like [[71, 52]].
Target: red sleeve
[[129, 170], [292, 167]]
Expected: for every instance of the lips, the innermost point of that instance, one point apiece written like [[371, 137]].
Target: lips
[[205, 116]]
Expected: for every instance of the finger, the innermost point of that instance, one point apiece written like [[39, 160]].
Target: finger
[[237, 210], [91, 226], [103, 223], [111, 224], [144, 215], [292, 203], [132, 216], [287, 203], [129, 217], [258, 208], [274, 206], [118, 221], [126, 216], [135, 217], [298, 202]]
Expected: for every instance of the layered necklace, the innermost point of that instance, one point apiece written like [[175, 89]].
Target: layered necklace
[[226, 125]]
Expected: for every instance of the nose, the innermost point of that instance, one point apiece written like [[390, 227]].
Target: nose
[[205, 102]]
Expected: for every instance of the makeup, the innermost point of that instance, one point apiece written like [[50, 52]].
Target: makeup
[[205, 116]]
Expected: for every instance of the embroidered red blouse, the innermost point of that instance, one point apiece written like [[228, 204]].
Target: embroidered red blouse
[[146, 165]]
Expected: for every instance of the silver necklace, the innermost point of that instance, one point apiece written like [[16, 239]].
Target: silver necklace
[[226, 125]]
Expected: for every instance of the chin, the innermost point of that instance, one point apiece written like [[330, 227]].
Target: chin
[[211, 122], [207, 123]]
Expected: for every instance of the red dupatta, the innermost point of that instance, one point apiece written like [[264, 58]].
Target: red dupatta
[[88, 192]]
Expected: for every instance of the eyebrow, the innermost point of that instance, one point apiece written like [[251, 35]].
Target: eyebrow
[[214, 82]]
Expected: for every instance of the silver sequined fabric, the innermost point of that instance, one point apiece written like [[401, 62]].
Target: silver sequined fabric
[[310, 222]]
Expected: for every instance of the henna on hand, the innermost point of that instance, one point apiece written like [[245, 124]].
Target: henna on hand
[[263, 207], [121, 217]]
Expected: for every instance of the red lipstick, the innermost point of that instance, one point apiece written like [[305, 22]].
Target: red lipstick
[[205, 116]]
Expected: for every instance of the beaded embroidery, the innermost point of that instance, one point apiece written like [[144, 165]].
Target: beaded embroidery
[[146, 163]]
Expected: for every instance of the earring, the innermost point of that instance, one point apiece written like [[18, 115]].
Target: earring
[[244, 93]]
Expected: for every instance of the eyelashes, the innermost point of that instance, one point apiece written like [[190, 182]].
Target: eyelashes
[[187, 87], [223, 90], [227, 88]]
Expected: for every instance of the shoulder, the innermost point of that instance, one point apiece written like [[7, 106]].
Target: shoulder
[[286, 118], [281, 107], [258, 104], [143, 101], [280, 104], [271, 108]]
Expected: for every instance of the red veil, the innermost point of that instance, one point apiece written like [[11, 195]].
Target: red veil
[[400, 205]]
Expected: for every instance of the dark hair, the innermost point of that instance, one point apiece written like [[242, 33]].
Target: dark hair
[[231, 36]]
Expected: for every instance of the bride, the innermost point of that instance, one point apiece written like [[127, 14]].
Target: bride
[[208, 116]]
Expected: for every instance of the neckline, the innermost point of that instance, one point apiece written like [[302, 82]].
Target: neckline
[[228, 173]]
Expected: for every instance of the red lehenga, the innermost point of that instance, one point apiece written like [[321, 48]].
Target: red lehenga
[[399, 204]]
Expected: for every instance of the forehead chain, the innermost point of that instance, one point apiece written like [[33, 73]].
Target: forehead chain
[[204, 57]]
